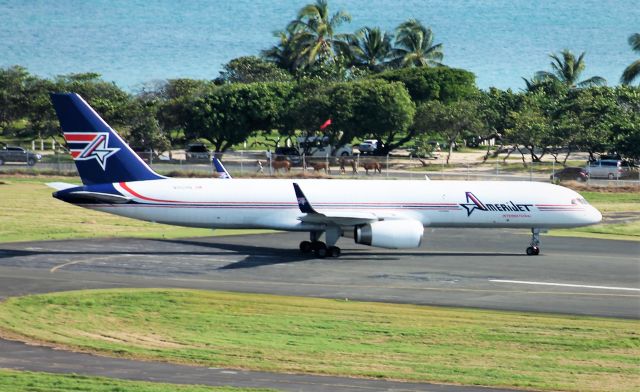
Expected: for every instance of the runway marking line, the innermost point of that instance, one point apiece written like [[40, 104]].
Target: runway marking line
[[582, 286], [57, 267]]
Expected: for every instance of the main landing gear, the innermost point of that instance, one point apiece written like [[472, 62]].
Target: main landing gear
[[534, 248], [319, 248]]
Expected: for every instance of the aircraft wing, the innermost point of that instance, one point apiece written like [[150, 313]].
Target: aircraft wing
[[342, 217]]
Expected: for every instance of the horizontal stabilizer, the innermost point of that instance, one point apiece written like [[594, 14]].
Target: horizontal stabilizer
[[60, 186], [80, 197]]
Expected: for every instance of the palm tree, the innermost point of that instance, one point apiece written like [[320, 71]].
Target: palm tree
[[370, 48], [567, 70], [414, 46], [284, 53], [314, 33], [633, 70]]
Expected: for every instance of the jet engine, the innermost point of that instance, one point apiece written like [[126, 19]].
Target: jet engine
[[392, 234]]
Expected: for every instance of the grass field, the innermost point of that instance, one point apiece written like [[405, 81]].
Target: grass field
[[29, 213], [290, 334], [15, 381]]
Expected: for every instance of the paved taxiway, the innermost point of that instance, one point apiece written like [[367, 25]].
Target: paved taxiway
[[470, 268]]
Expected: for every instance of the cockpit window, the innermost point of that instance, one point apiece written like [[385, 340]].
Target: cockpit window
[[580, 200]]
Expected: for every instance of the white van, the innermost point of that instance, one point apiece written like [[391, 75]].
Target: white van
[[607, 168]]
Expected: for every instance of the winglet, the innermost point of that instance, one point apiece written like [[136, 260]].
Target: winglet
[[303, 203], [220, 169]]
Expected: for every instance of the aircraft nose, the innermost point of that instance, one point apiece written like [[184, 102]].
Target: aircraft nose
[[594, 216]]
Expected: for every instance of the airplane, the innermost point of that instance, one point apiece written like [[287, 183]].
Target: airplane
[[378, 213], [220, 169]]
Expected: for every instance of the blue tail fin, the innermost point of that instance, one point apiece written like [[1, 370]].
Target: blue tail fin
[[101, 156], [220, 169]]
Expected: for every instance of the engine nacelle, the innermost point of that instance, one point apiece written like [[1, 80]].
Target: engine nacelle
[[392, 234]]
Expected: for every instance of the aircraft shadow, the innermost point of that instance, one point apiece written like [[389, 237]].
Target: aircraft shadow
[[256, 255]]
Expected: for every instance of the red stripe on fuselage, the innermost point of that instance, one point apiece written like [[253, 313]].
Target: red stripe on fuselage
[[405, 205]]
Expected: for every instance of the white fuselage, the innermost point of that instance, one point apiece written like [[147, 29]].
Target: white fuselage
[[272, 203]]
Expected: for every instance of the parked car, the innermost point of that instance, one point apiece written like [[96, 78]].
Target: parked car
[[197, 152], [608, 168], [18, 154], [368, 146], [571, 174]]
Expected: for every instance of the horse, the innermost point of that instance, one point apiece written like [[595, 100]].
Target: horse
[[372, 165], [350, 162], [317, 166], [281, 164]]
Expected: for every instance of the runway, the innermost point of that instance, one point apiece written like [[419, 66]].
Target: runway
[[465, 268]]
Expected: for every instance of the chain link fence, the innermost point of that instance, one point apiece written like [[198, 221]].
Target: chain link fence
[[265, 164]]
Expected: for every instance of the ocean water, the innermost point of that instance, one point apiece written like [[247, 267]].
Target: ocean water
[[132, 42]]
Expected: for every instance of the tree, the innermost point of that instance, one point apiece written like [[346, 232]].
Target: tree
[[145, 132], [364, 108], [371, 48], [441, 83], [531, 127], [283, 54], [453, 120], [414, 46], [314, 34], [14, 86], [171, 100], [566, 69], [494, 107], [632, 72], [625, 135], [251, 69], [231, 113], [106, 98]]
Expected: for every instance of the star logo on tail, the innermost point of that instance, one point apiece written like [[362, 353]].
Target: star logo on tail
[[472, 204], [96, 146]]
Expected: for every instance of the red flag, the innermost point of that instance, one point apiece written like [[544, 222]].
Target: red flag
[[326, 124]]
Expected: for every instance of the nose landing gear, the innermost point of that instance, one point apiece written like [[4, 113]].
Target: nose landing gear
[[534, 248]]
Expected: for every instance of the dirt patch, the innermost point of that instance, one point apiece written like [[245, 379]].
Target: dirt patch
[[148, 340], [579, 187]]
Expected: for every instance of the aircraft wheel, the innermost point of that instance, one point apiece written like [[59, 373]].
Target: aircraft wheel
[[320, 250], [533, 251], [306, 247], [333, 251]]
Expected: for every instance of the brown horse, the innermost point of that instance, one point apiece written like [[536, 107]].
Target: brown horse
[[281, 164], [317, 166], [372, 165], [348, 162]]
